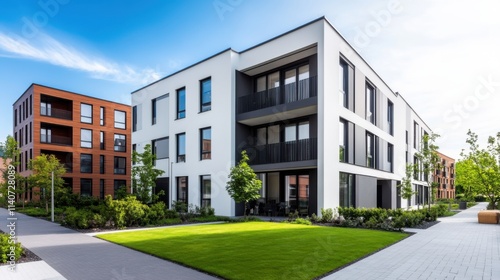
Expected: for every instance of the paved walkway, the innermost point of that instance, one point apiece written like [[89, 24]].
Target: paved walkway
[[456, 248], [78, 256]]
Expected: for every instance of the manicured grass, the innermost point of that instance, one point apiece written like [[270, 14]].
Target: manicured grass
[[258, 250]]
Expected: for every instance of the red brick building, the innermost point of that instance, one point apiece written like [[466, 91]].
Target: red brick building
[[445, 177], [90, 136]]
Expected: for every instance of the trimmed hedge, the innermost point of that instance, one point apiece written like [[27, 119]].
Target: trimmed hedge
[[5, 249]]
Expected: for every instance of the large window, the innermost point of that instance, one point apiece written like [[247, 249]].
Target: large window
[[206, 191], [120, 119], [120, 166], [370, 150], [160, 148], [86, 138], [45, 109], [370, 103], [181, 103], [134, 118], [45, 135], [101, 140], [120, 143], [181, 147], [101, 116], [206, 143], [86, 113], [85, 163], [86, 187], [346, 190], [182, 189], [119, 186], [343, 141], [206, 95], [390, 117], [102, 162], [415, 134], [390, 156], [101, 188], [153, 111]]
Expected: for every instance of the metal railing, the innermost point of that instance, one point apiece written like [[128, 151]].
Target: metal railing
[[300, 150]]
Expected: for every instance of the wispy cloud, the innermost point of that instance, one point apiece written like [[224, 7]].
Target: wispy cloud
[[49, 50]]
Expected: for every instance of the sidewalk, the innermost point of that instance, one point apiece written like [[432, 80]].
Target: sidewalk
[[78, 256], [456, 248]]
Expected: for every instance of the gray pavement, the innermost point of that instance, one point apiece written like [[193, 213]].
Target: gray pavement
[[456, 248], [78, 256]]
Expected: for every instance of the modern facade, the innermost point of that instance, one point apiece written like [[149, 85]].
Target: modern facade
[[90, 136], [321, 128], [445, 177]]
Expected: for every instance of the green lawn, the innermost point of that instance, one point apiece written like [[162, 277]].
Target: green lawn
[[258, 250]]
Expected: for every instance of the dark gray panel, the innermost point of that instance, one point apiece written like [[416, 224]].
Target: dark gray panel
[[366, 191], [351, 148]]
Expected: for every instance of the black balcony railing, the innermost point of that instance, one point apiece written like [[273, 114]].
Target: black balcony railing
[[300, 150], [56, 113], [288, 93]]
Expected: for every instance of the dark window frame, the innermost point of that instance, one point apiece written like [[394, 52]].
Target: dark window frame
[[89, 181], [205, 106], [181, 113], [205, 154], [86, 118], [370, 153], [204, 201], [117, 169], [153, 111], [371, 103], [86, 141], [180, 157], [185, 198], [86, 163], [119, 124], [120, 143]]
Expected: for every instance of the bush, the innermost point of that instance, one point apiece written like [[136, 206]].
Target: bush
[[314, 218], [81, 218], [326, 215], [5, 249], [301, 221], [207, 219], [126, 212], [156, 212], [179, 206]]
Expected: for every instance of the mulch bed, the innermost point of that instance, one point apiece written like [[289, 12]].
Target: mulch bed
[[27, 256]]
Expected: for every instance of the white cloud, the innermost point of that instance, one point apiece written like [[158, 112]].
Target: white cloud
[[49, 50]]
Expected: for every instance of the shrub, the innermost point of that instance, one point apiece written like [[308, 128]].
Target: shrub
[[5, 249], [156, 212], [179, 206], [81, 218], [314, 218], [171, 214], [207, 219], [302, 221], [326, 215]]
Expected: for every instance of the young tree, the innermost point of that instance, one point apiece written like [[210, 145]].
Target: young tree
[[406, 187], [466, 179], [429, 161], [42, 167], [481, 168], [145, 174], [11, 155], [243, 185]]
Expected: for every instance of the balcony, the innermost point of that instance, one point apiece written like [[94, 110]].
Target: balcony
[[300, 150], [55, 107], [55, 139], [56, 113], [301, 90]]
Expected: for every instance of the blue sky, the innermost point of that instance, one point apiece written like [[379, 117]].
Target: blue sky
[[442, 56]]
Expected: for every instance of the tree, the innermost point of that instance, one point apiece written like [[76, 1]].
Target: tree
[[243, 185], [406, 187], [481, 169], [144, 175], [429, 161], [11, 155], [466, 179], [42, 167]]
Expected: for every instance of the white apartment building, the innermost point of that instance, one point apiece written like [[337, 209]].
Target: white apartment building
[[321, 128]]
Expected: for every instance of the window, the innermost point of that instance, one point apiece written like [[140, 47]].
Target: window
[[370, 154], [346, 190], [46, 135], [343, 83], [86, 187], [45, 109], [206, 95], [120, 119], [134, 118], [134, 149], [206, 191], [101, 140], [86, 163], [120, 165], [160, 148], [153, 112], [416, 168], [101, 164], [390, 117], [181, 147], [26, 134], [415, 134], [370, 103], [343, 141], [181, 103], [101, 188], [31, 129], [85, 138], [119, 186], [206, 143], [182, 189], [120, 143], [390, 156], [15, 117], [101, 116], [86, 113], [31, 105]]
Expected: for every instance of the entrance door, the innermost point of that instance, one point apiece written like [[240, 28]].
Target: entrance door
[[297, 193]]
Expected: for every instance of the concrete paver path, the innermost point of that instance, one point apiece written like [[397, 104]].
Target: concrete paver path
[[79, 256], [456, 248]]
